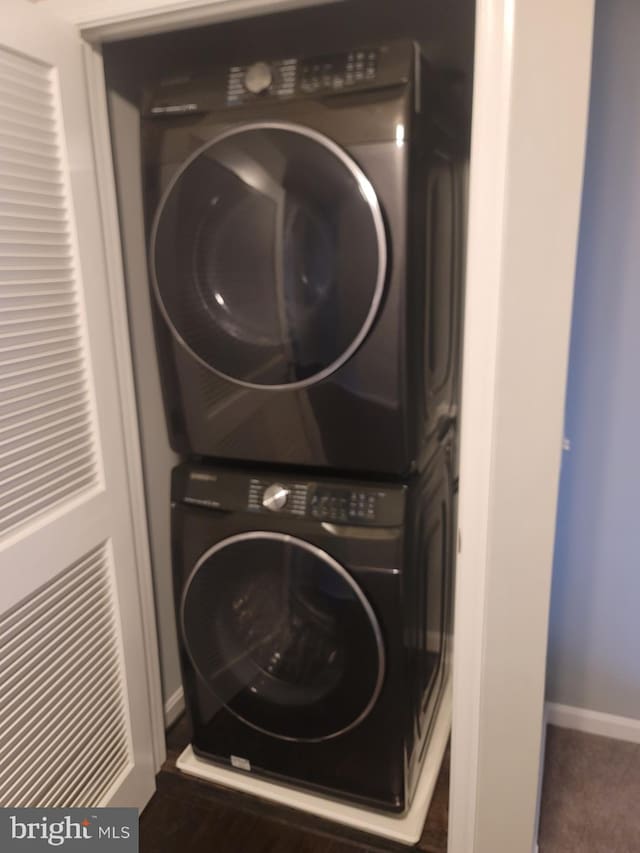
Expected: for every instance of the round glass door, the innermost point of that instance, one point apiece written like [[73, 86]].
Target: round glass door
[[268, 255], [283, 636]]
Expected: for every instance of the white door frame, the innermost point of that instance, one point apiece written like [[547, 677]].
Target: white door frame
[[96, 87], [532, 77]]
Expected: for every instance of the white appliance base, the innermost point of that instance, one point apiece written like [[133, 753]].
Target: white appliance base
[[406, 828]]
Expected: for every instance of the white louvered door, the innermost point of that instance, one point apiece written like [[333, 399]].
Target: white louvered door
[[74, 703]]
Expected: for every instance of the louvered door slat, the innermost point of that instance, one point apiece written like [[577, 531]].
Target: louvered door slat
[[38, 357], [14, 81], [38, 447], [19, 336], [98, 738], [13, 141], [53, 753], [22, 68], [94, 788], [15, 314], [24, 347], [58, 593], [43, 263], [40, 663], [23, 207], [26, 283], [50, 714], [33, 406], [79, 735], [32, 393], [65, 456], [24, 110], [22, 378], [25, 197], [20, 297], [22, 129], [111, 753], [10, 220], [36, 660], [42, 451], [26, 101], [30, 330], [42, 233], [28, 93], [56, 485], [46, 473], [59, 421], [16, 175], [65, 408], [14, 168], [48, 707]]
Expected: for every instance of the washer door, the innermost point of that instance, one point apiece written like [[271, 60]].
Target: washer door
[[283, 636], [268, 255]]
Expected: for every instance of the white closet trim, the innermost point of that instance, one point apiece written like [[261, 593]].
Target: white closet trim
[[115, 274], [107, 20]]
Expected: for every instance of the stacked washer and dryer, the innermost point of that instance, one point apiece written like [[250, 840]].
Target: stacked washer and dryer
[[305, 228]]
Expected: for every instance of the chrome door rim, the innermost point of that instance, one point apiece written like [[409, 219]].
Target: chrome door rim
[[333, 564], [368, 192]]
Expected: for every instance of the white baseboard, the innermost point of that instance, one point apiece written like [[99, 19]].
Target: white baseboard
[[593, 722], [173, 707]]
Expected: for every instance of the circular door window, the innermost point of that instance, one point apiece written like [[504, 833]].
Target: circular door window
[[283, 636], [268, 255]]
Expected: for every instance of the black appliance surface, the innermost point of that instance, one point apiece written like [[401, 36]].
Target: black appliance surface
[[304, 223], [313, 618]]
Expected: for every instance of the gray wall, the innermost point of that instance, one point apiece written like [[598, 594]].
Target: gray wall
[[594, 641]]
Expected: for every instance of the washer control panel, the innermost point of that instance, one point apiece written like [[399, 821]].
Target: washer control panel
[[344, 506], [316, 75], [275, 496], [259, 79], [324, 500]]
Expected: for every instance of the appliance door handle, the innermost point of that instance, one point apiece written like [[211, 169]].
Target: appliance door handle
[[345, 531]]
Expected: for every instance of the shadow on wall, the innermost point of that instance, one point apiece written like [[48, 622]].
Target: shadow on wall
[[594, 635]]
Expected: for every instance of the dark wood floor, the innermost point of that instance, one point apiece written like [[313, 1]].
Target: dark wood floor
[[187, 815]]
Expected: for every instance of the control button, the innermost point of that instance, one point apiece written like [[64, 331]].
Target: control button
[[275, 497], [258, 78]]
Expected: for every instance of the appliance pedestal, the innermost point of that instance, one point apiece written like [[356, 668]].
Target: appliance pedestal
[[406, 828]]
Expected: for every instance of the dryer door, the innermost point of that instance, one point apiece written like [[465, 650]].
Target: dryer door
[[283, 636], [268, 255]]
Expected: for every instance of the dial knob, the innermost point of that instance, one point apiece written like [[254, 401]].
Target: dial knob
[[258, 78], [275, 497]]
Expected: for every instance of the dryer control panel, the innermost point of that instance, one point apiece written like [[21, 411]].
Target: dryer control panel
[[325, 74], [267, 81], [246, 82], [318, 75], [323, 500], [338, 71]]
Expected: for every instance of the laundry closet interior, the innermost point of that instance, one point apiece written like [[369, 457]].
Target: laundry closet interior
[[291, 192]]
